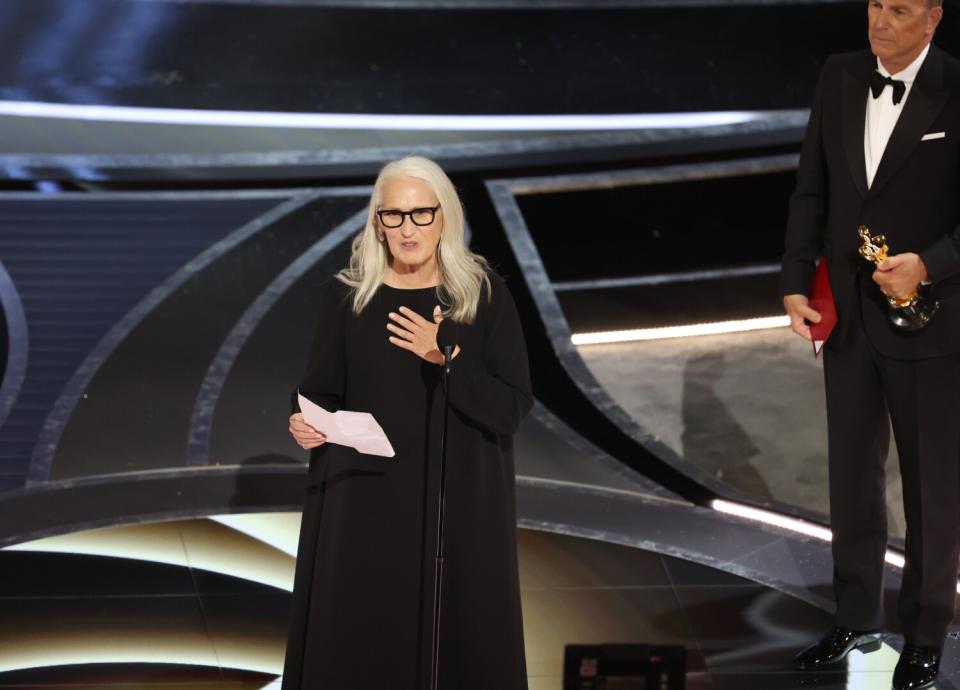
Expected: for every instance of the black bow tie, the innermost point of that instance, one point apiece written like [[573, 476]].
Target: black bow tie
[[878, 83]]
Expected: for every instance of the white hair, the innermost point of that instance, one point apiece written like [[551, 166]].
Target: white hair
[[463, 274]]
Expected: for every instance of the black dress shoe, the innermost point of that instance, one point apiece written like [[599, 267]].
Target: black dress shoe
[[834, 647], [917, 668]]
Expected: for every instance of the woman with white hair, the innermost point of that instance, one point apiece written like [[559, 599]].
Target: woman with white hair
[[363, 592]]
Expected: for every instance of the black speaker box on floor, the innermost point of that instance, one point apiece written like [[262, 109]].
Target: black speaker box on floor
[[624, 667]]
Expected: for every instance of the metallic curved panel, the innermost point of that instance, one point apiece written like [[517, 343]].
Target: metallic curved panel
[[260, 151], [374, 121], [551, 314], [793, 563], [18, 344], [198, 443], [74, 286], [781, 559], [579, 462], [655, 175], [796, 564], [70, 505], [56, 421], [543, 291]]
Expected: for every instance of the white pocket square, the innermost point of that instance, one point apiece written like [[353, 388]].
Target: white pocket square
[[934, 135]]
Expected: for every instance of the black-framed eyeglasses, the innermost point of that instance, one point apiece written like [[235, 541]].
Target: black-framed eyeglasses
[[393, 218]]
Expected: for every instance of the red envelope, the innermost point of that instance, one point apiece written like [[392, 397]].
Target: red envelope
[[821, 300]]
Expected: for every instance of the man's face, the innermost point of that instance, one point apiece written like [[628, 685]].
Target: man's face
[[900, 29]]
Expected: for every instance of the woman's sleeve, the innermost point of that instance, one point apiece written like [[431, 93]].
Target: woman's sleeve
[[325, 377], [494, 390]]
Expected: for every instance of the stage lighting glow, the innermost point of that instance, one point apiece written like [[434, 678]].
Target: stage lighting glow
[[898, 561], [715, 328], [237, 548], [279, 530], [137, 644], [458, 123]]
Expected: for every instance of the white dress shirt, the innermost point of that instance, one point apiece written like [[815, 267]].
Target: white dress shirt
[[882, 114]]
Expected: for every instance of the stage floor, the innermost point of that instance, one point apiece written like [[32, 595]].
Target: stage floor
[[79, 613], [746, 407]]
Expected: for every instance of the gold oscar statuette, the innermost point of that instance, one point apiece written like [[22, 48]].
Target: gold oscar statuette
[[911, 313]]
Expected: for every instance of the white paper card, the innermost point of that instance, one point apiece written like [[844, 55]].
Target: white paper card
[[354, 429]]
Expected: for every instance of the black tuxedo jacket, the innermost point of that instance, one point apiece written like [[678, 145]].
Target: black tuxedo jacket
[[913, 200]]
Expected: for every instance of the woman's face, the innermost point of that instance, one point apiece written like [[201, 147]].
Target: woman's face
[[412, 244]]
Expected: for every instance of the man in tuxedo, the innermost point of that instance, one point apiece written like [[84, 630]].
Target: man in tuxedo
[[882, 149]]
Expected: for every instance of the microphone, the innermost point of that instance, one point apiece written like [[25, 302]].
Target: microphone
[[447, 336]]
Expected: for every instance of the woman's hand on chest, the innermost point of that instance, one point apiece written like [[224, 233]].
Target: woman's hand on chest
[[416, 334]]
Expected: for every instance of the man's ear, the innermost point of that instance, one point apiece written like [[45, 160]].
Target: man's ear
[[933, 19]]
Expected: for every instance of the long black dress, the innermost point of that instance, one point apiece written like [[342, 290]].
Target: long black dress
[[363, 591]]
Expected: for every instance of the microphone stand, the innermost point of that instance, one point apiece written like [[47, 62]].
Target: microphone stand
[[438, 559]]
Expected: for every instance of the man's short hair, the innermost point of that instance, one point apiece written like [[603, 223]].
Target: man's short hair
[[934, 3]]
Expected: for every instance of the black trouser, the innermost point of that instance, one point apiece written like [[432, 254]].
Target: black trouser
[[923, 400]]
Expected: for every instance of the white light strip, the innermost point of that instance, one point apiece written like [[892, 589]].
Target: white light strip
[[792, 524], [898, 561], [667, 278], [476, 123], [770, 518], [716, 328]]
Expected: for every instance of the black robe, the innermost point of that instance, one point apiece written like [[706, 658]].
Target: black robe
[[363, 591]]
